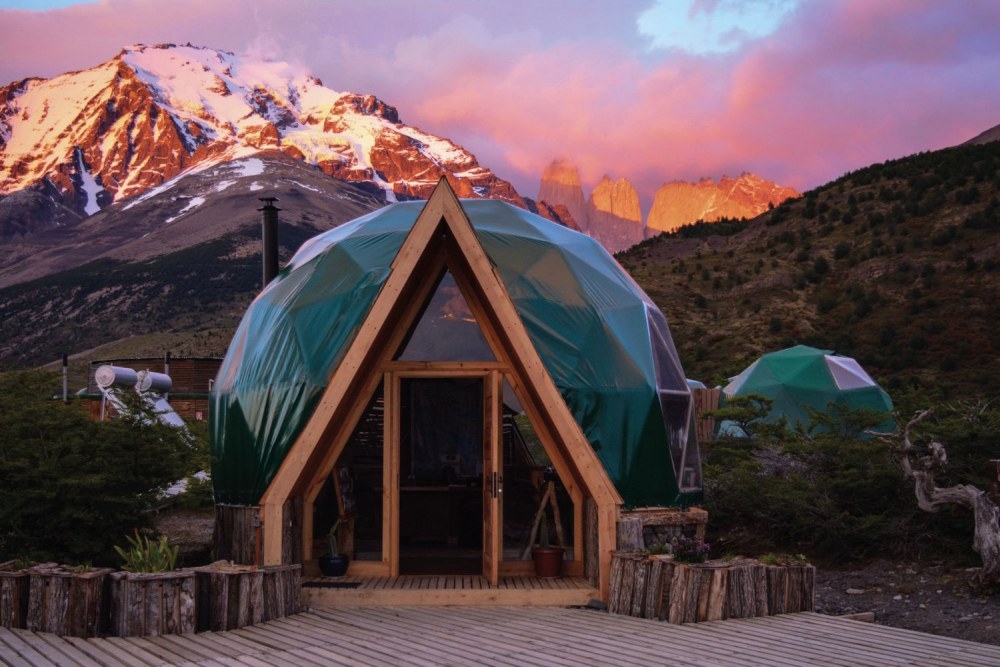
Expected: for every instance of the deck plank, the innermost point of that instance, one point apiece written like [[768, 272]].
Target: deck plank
[[27, 648], [435, 636]]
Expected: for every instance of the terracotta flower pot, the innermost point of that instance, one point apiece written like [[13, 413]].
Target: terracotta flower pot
[[548, 561]]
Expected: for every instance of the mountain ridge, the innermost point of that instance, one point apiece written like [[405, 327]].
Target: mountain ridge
[[90, 138], [612, 212]]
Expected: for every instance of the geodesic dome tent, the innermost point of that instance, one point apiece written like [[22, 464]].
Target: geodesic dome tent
[[800, 377], [602, 341]]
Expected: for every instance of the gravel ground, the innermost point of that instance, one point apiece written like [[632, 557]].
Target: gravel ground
[[935, 598]]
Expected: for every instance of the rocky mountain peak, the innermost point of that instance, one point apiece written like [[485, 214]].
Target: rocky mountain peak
[[560, 185], [679, 203], [613, 214], [112, 132], [619, 198]]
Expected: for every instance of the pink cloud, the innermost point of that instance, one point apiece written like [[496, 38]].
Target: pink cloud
[[841, 84]]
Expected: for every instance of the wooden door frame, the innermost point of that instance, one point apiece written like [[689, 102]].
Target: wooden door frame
[[395, 374]]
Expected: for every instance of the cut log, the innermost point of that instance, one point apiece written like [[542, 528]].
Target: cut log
[[234, 596], [654, 589], [146, 604], [66, 601], [658, 587], [13, 595]]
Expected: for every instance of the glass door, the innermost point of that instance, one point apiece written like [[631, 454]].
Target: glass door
[[441, 473]]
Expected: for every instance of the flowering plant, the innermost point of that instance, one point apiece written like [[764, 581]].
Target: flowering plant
[[690, 550]]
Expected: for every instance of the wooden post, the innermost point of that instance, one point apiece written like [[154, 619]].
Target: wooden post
[[236, 536], [591, 557]]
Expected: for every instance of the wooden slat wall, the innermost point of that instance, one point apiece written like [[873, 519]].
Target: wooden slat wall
[[705, 399]]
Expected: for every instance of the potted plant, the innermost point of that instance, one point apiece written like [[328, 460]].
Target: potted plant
[[334, 564], [548, 559], [151, 596]]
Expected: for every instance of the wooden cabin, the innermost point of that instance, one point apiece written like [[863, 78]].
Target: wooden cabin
[[416, 371]]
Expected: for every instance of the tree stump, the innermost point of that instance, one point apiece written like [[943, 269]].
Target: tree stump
[[13, 595], [158, 603], [66, 601]]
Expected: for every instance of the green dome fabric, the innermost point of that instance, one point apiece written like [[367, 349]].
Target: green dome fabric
[[802, 377], [602, 340]]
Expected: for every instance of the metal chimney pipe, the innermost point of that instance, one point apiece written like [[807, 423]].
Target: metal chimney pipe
[[65, 378], [269, 232]]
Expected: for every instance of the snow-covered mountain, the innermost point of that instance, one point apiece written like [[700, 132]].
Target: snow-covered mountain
[[74, 144]]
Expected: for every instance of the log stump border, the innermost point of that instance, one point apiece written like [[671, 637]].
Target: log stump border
[[658, 587], [145, 604], [81, 602], [233, 596], [13, 595], [67, 601]]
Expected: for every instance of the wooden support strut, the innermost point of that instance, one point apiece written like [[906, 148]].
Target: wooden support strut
[[549, 497]]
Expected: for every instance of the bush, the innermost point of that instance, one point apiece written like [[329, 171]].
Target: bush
[[73, 486], [834, 497]]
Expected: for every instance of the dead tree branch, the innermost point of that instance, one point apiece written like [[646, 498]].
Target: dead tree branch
[[922, 465]]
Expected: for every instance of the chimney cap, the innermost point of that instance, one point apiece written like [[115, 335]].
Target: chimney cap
[[268, 202]]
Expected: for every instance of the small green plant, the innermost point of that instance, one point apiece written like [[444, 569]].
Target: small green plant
[[783, 559], [145, 555], [331, 539], [657, 549]]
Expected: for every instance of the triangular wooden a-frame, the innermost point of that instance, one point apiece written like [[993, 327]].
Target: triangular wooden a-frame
[[441, 237]]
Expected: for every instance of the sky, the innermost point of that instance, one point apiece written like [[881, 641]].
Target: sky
[[796, 91]]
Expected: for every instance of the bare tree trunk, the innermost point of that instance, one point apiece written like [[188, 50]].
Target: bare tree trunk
[[922, 469]]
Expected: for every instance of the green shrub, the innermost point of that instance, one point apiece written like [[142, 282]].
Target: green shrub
[[70, 484], [835, 497]]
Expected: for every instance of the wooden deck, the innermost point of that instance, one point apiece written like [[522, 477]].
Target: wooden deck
[[431, 636], [438, 590]]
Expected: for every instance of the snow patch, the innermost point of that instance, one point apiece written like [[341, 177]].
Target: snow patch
[[89, 184], [303, 185], [250, 167], [194, 203]]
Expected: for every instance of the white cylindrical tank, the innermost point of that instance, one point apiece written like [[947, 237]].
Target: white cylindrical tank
[[151, 381], [108, 376]]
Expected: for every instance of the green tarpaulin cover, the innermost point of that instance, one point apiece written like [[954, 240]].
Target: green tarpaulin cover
[[802, 377], [603, 341]]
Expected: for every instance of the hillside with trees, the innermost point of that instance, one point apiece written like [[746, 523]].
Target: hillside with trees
[[895, 264]]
